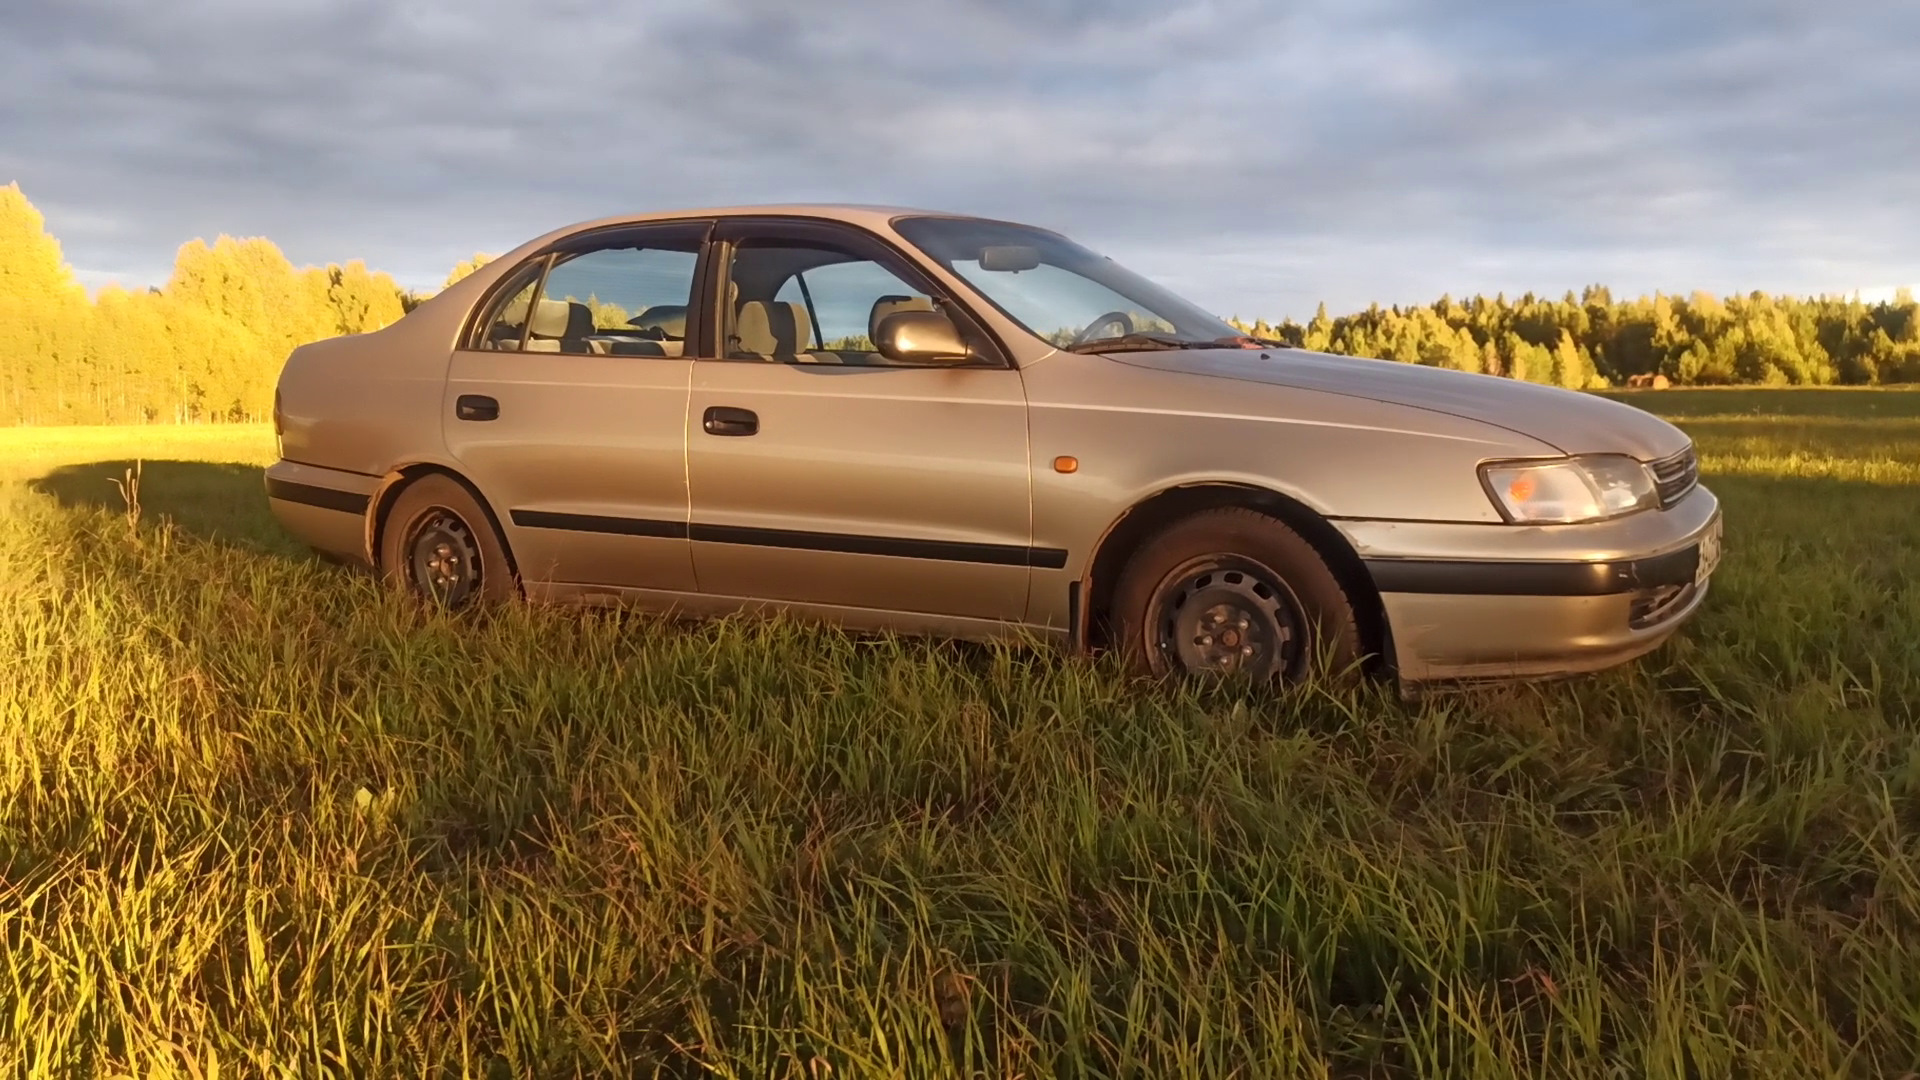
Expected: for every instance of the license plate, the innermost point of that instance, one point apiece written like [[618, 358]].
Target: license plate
[[1709, 553]]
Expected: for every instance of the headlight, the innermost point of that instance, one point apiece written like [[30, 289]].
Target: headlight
[[1576, 489]]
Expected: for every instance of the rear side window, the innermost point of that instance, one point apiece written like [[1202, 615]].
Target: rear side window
[[505, 328], [619, 301], [627, 295]]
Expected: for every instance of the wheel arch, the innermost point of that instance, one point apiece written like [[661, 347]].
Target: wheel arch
[[380, 506], [1150, 515]]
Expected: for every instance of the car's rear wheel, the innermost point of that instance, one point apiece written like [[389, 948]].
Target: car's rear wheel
[[440, 545], [1233, 592]]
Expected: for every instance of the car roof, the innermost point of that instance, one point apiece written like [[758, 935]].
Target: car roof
[[853, 213]]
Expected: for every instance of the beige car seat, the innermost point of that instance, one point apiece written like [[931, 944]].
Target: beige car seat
[[778, 331], [559, 326]]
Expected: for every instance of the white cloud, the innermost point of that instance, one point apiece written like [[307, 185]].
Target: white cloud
[[1259, 156]]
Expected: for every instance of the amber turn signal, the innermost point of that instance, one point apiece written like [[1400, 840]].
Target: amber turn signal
[[1065, 464]]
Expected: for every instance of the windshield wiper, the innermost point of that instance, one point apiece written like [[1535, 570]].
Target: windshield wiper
[[1137, 342]]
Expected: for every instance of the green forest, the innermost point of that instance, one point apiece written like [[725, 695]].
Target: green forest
[[208, 344]]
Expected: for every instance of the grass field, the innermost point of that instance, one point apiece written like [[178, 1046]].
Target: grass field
[[259, 818]]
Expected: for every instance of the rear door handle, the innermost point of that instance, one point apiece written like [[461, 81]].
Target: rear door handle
[[723, 420], [476, 407]]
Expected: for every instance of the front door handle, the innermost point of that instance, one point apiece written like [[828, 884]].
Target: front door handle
[[476, 407], [722, 420]]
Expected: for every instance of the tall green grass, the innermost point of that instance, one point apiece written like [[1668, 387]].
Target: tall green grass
[[259, 818]]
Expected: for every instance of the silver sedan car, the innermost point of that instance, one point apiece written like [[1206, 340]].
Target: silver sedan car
[[924, 422]]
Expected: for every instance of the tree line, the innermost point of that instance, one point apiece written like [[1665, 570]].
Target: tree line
[[1591, 341], [205, 346], [208, 344]]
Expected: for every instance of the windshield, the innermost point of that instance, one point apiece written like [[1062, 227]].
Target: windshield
[[1062, 292]]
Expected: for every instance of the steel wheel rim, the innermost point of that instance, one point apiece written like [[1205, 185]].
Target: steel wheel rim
[[1228, 615], [443, 559]]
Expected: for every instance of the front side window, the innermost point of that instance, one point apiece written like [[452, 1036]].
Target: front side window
[[812, 302], [627, 297], [1062, 292]]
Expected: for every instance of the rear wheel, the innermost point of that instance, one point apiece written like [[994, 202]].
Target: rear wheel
[[1233, 592], [440, 545]]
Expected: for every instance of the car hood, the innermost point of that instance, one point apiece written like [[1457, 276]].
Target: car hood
[[1567, 420]]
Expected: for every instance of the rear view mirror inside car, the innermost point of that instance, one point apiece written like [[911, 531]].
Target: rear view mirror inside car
[[1009, 257]]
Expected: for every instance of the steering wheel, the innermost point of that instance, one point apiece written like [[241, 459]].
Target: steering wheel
[[1111, 318]]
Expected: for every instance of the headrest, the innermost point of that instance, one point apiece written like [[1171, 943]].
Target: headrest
[[561, 319], [772, 328], [889, 305], [669, 319]]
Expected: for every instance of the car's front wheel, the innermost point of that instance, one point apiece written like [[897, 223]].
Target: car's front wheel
[[440, 545], [1233, 592]]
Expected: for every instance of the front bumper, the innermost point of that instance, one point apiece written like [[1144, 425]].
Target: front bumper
[[1502, 601]]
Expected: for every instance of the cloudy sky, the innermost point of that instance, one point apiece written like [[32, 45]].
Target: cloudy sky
[[1257, 156]]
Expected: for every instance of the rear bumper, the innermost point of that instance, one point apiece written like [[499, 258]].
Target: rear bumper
[[326, 509], [1504, 602]]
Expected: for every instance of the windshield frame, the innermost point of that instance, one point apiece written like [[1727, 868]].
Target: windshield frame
[[1229, 331]]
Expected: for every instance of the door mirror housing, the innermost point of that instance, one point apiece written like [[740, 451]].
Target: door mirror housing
[[924, 338]]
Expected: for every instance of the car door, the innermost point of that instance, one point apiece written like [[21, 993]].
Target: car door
[[823, 474], [566, 405]]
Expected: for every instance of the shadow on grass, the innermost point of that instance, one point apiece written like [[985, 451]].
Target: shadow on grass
[[223, 502]]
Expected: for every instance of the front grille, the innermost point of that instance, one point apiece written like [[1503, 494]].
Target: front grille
[[1676, 475], [1651, 607]]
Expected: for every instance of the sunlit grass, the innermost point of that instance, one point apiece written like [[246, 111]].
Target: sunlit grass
[[1834, 402], [27, 452], [254, 812]]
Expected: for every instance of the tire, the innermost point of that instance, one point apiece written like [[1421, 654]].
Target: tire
[[440, 545], [1233, 592]]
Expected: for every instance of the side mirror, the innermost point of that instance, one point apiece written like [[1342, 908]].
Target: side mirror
[[926, 338]]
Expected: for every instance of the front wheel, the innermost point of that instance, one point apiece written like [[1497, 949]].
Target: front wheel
[[440, 545], [1233, 592]]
